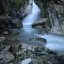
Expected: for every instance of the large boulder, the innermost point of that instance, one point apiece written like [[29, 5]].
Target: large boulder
[[45, 59], [6, 57], [42, 50]]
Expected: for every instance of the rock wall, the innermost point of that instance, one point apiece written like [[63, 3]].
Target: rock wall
[[12, 7], [56, 18], [54, 11], [11, 13]]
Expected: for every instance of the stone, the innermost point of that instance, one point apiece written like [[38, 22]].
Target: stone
[[10, 63], [45, 59], [49, 62], [38, 39], [40, 22], [17, 22], [6, 56], [5, 32], [40, 51], [2, 39]]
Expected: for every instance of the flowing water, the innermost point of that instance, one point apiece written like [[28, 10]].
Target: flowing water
[[27, 31], [55, 43], [33, 16], [26, 61]]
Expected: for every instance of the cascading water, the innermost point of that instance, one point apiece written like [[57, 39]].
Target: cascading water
[[54, 42], [27, 32], [33, 16]]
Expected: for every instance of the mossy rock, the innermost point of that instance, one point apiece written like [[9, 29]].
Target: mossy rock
[[42, 50], [38, 39]]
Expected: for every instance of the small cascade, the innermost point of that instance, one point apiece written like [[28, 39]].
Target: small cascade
[[33, 16]]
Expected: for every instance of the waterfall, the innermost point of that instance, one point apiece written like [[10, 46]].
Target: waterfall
[[33, 16]]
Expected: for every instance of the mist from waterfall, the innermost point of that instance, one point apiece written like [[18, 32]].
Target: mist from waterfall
[[33, 16]]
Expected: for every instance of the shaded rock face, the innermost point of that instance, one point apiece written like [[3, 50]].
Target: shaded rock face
[[16, 10], [26, 9], [56, 19], [12, 7], [46, 59], [6, 57], [53, 10], [44, 56], [42, 5], [1, 9]]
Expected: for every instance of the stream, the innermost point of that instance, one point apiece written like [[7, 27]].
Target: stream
[[55, 43]]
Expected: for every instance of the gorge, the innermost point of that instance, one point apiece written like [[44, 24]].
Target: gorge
[[32, 32]]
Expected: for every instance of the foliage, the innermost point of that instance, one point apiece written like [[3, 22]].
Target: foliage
[[19, 3]]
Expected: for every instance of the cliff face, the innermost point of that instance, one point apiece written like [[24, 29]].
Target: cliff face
[[11, 14], [56, 17], [12, 7], [54, 11], [42, 5]]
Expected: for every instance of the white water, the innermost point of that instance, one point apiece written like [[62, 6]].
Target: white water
[[26, 61], [27, 29], [33, 16], [55, 43]]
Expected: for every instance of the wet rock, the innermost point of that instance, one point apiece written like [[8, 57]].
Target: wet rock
[[10, 63], [2, 39], [5, 18], [60, 59], [40, 22], [49, 62], [39, 51], [38, 39], [5, 32], [17, 22], [6, 56], [45, 59]]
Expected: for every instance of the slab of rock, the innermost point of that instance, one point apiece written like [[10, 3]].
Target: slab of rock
[[37, 39], [40, 22], [6, 18]]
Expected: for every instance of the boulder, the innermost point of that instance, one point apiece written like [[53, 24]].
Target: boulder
[[17, 23], [6, 56], [2, 39], [40, 22], [42, 50], [37, 39], [45, 59]]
